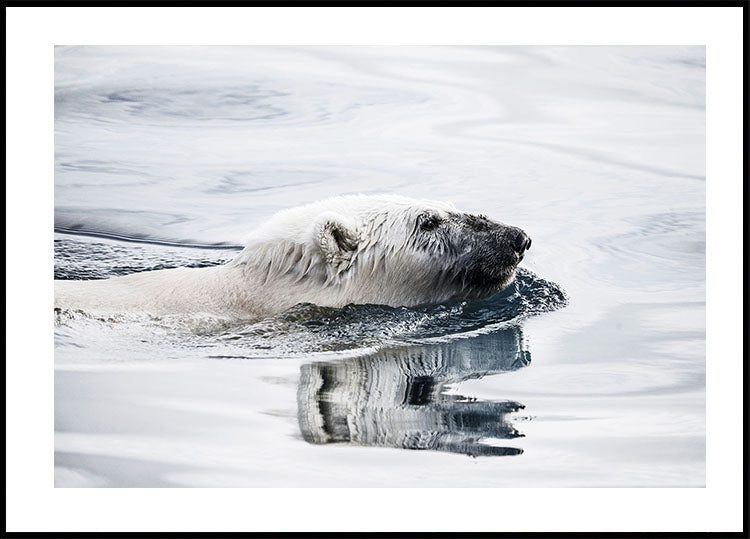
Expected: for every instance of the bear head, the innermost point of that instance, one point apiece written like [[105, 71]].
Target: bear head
[[381, 249]]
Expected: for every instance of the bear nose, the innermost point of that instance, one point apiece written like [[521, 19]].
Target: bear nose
[[522, 242]]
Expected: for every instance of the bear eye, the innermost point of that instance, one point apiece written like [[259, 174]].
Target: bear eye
[[429, 222]]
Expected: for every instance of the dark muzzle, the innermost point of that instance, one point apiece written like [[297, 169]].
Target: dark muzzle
[[492, 255]]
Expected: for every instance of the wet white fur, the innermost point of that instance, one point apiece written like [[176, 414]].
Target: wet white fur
[[293, 258]]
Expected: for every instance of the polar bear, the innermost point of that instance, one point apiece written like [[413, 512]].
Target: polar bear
[[384, 249]]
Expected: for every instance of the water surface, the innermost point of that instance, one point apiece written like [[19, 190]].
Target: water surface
[[589, 370]]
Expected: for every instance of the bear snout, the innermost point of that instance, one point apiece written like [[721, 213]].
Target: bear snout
[[521, 242]]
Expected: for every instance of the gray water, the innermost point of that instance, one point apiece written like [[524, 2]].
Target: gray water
[[588, 370]]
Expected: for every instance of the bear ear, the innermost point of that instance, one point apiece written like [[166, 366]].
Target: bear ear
[[337, 239]]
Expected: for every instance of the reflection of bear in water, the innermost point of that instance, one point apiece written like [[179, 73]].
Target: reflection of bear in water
[[395, 397]]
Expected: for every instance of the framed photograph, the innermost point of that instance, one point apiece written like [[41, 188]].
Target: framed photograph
[[299, 275]]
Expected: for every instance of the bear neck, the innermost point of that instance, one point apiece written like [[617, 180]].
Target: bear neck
[[281, 274]]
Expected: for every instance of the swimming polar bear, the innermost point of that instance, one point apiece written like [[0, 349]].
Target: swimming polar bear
[[383, 249]]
